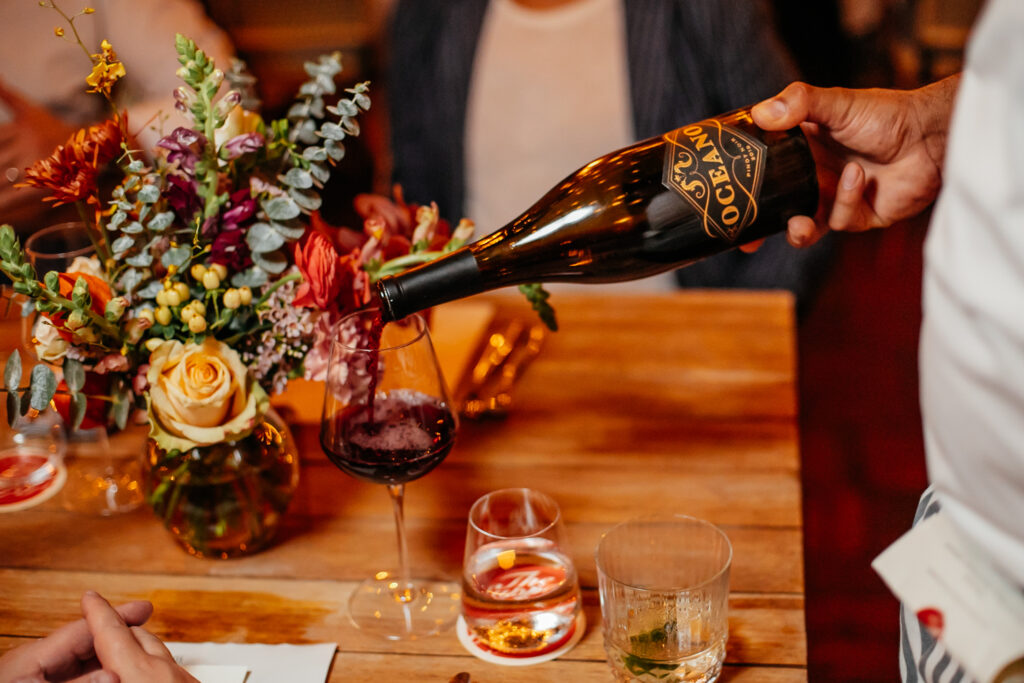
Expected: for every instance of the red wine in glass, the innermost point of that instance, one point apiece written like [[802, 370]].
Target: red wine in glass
[[409, 434]]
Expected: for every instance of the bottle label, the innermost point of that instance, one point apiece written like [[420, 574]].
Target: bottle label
[[718, 169]]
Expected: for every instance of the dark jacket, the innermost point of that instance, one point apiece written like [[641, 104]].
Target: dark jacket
[[688, 59]]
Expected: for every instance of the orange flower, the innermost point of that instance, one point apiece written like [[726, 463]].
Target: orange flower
[[318, 262], [99, 292], [71, 171]]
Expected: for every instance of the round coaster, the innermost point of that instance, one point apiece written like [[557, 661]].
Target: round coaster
[[477, 649], [29, 495]]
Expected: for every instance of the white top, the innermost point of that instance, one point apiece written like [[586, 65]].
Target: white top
[[549, 93], [972, 341], [52, 70]]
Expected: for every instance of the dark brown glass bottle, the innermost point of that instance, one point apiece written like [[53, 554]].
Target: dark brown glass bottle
[[656, 205]]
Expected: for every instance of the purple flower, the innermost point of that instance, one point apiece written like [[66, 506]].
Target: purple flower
[[243, 144], [243, 207], [229, 248], [179, 143], [182, 196]]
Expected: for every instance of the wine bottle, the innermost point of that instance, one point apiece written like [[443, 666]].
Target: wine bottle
[[656, 205]]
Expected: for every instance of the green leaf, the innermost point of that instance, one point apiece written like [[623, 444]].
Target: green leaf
[[332, 131], [12, 371], [273, 262], [122, 244], [297, 178], [78, 405], [261, 238], [161, 221], [74, 374], [253, 277], [43, 386], [121, 409], [141, 260], [281, 208], [176, 256], [310, 201], [52, 281], [13, 407], [538, 298], [292, 230]]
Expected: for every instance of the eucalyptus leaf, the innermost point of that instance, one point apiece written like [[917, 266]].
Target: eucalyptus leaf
[[299, 110], [151, 289], [344, 108], [74, 374], [160, 221], [351, 126], [121, 410], [116, 220], [136, 166], [24, 402], [297, 178], [141, 260], [281, 208], [252, 277], [334, 150], [332, 131], [292, 230], [132, 228], [319, 171], [12, 371], [314, 154], [122, 244], [42, 387], [175, 256], [310, 201], [13, 407], [261, 238], [78, 405], [131, 279], [273, 262]]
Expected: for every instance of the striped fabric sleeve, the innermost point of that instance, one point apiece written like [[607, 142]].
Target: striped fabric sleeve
[[923, 659]]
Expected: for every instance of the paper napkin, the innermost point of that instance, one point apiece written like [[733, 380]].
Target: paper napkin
[[255, 663]]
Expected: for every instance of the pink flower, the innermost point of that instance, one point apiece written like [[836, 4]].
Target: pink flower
[[112, 362]]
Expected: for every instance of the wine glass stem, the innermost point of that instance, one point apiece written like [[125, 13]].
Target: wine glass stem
[[404, 592]]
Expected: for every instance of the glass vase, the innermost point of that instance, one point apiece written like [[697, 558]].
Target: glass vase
[[226, 499]]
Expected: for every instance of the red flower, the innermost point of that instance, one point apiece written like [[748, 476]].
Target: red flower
[[70, 172], [319, 264]]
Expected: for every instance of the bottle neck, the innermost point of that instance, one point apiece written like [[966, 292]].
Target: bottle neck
[[453, 277]]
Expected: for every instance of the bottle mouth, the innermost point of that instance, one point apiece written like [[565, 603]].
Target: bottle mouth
[[385, 296]]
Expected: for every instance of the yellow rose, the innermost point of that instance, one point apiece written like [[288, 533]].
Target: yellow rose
[[200, 394]]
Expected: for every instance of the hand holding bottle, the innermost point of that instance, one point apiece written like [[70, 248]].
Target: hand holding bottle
[[879, 153]]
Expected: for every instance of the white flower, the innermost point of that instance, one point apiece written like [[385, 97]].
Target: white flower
[[50, 346]]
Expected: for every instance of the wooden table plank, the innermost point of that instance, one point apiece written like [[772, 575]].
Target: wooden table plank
[[640, 403], [767, 629]]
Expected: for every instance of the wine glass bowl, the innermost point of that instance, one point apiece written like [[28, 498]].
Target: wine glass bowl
[[388, 419]]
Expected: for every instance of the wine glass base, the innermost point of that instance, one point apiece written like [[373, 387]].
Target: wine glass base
[[426, 607]]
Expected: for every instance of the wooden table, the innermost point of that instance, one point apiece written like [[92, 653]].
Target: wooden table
[[682, 402]]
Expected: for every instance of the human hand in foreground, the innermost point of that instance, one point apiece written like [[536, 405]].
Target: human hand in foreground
[[879, 153], [106, 646]]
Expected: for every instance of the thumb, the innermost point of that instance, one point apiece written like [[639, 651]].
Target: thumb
[[800, 103]]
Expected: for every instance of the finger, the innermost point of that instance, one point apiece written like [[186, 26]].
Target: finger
[[803, 231], [100, 676], [112, 639], [751, 247], [151, 644], [846, 207], [63, 651], [799, 103]]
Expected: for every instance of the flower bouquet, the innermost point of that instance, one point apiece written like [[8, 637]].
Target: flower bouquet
[[214, 282]]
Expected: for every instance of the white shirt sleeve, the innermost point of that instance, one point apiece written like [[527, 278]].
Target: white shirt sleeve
[[972, 340]]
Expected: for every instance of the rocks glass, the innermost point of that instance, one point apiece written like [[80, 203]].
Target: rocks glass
[[520, 593], [664, 584]]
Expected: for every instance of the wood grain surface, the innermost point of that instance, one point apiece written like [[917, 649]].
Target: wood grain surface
[[683, 402]]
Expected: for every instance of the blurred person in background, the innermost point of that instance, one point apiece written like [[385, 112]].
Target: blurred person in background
[[492, 102], [43, 93], [883, 156]]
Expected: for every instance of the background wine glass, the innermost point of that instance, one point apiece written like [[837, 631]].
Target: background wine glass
[[388, 419], [103, 473]]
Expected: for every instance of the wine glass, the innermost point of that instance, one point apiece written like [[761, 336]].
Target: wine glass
[[388, 419]]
